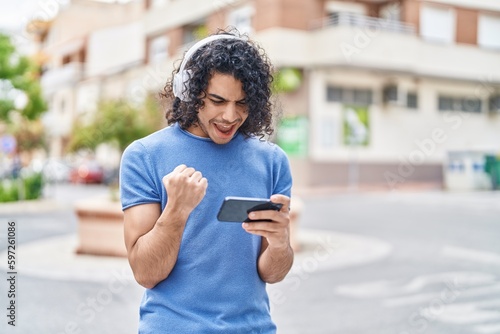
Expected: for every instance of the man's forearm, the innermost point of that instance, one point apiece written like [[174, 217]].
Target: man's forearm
[[154, 255], [275, 263]]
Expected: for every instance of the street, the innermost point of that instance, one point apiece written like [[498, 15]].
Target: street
[[383, 262], [441, 276]]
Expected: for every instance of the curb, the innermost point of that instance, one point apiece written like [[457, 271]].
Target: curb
[[31, 206]]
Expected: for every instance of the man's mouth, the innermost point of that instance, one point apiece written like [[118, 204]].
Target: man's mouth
[[225, 130]]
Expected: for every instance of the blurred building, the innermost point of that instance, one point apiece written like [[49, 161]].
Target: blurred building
[[378, 91], [91, 50]]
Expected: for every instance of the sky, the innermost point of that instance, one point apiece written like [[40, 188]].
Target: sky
[[13, 17], [15, 13]]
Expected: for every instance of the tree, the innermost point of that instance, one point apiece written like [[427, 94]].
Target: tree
[[30, 135], [19, 86], [116, 122]]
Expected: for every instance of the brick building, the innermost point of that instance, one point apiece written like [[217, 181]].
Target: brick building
[[386, 88]]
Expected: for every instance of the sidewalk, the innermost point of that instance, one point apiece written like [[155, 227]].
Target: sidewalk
[[366, 188], [55, 258], [30, 207]]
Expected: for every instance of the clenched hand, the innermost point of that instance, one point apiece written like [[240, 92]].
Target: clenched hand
[[185, 188]]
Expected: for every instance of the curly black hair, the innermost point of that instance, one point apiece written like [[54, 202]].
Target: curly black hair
[[239, 57]]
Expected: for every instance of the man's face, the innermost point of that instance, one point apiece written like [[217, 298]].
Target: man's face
[[225, 109]]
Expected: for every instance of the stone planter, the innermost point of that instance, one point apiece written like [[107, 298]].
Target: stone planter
[[100, 228]]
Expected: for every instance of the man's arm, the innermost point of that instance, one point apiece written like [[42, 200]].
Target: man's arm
[[153, 237], [276, 256]]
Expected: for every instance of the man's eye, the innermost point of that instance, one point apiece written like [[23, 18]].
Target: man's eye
[[217, 102], [241, 103]]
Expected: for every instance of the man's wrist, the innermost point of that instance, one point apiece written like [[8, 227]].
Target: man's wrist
[[282, 247], [174, 215]]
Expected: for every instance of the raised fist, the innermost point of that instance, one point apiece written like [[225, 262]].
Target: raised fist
[[185, 188]]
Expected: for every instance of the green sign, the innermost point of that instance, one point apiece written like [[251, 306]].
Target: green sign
[[287, 80], [356, 126], [292, 135]]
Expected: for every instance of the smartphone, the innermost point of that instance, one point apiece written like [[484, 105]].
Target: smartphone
[[236, 209]]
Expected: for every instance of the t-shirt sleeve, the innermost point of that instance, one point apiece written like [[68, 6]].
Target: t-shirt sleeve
[[137, 181], [282, 174]]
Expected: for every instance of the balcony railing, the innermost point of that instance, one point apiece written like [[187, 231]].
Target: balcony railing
[[57, 78], [362, 21]]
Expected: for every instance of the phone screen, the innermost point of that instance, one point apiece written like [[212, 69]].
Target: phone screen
[[236, 209]]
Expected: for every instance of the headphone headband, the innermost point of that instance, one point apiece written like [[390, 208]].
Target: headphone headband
[[181, 78]]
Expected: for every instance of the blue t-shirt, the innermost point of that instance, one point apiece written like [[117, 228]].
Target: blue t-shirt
[[214, 286]]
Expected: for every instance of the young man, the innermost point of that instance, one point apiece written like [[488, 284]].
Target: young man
[[202, 275]]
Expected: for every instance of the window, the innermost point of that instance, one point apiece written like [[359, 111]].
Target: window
[[194, 32], [353, 96], [412, 101], [66, 59], [158, 49], [334, 94], [447, 103], [494, 103], [394, 95], [437, 24], [488, 28], [241, 19], [391, 12]]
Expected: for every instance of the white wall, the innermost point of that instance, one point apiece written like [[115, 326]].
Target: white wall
[[398, 133], [492, 5], [111, 49], [59, 119], [178, 13], [379, 50]]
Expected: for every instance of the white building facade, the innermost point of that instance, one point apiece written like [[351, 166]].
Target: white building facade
[[387, 88]]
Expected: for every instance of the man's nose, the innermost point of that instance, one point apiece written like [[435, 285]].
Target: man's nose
[[230, 113]]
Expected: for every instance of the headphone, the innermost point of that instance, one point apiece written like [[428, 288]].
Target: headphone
[[182, 77]]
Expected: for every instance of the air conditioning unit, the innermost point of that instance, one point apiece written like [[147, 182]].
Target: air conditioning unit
[[394, 95], [494, 104]]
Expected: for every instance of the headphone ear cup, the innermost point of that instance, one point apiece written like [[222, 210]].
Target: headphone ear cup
[[180, 85], [177, 85]]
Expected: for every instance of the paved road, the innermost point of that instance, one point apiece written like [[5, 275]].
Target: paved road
[[395, 263], [441, 276]]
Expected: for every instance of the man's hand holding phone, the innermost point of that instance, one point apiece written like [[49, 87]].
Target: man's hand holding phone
[[271, 224]]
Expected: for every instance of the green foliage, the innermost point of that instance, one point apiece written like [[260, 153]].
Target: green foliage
[[9, 190], [33, 186], [287, 80], [29, 134], [23, 188], [117, 122], [18, 74]]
